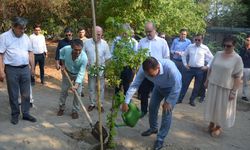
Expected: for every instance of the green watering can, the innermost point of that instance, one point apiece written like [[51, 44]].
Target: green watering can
[[131, 117]]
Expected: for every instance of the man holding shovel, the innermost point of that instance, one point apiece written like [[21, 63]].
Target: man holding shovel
[[167, 86], [74, 61]]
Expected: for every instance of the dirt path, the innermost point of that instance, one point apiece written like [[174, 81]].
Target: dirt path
[[55, 133]]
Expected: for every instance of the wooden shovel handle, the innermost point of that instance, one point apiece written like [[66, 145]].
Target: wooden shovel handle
[[79, 99]]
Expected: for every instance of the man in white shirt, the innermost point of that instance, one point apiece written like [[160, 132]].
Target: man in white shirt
[[104, 55], [157, 48], [198, 54], [15, 58], [39, 48]]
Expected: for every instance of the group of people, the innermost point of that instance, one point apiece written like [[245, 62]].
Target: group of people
[[166, 73]]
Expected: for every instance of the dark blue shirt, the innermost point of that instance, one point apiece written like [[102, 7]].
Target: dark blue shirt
[[61, 44], [245, 55]]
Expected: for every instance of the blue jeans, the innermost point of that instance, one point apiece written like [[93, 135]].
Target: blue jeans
[[191, 73], [18, 81], [157, 96]]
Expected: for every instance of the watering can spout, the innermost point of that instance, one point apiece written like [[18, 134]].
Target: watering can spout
[[131, 117]]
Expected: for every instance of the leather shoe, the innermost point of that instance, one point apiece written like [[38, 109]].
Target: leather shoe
[[178, 102], [29, 118], [74, 115], [244, 98], [192, 104], [60, 112], [14, 120], [91, 107], [149, 132], [158, 145]]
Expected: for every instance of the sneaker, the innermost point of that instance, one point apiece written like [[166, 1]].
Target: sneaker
[[245, 98], [60, 112], [74, 115], [29, 118], [158, 145], [14, 120], [91, 107], [149, 132]]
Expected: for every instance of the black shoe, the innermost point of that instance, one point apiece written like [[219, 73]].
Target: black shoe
[[178, 102], [245, 98], [149, 132], [14, 120], [82, 94], [143, 114], [201, 100], [29, 118], [31, 105], [158, 145], [192, 104]]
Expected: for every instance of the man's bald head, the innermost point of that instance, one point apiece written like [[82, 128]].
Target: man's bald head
[[150, 30], [99, 33]]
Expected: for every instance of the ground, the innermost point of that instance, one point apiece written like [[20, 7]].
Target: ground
[[188, 130]]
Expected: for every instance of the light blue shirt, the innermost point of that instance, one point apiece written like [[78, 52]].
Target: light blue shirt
[[180, 46], [15, 50], [78, 66], [169, 77]]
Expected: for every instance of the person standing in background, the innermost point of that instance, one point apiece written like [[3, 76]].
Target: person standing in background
[[39, 48], [245, 55]]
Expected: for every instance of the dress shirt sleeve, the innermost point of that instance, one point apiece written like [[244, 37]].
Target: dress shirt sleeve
[[62, 53], [134, 85], [2, 44], [172, 49], [44, 45], [184, 56], [165, 52], [176, 88], [107, 52], [81, 73], [30, 48], [208, 57]]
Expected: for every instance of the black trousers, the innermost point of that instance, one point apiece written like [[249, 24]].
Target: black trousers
[[127, 76], [40, 60], [143, 93]]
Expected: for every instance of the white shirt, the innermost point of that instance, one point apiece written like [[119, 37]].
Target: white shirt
[[103, 51], [15, 49], [197, 55], [38, 43], [158, 47]]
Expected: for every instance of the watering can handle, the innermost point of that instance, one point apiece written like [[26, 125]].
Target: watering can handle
[[79, 99]]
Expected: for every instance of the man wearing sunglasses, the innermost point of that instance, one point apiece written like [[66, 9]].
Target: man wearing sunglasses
[[245, 55], [198, 54], [64, 42]]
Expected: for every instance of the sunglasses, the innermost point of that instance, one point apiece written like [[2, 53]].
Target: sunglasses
[[227, 46], [197, 40], [68, 35]]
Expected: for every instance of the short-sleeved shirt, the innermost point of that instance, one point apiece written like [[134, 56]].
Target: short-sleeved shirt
[[15, 49], [103, 51], [38, 43], [158, 47], [224, 70], [78, 66]]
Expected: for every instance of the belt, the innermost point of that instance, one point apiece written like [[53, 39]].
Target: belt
[[21, 66], [195, 67], [39, 54]]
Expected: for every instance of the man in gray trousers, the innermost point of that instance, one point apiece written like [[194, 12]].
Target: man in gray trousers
[[17, 64]]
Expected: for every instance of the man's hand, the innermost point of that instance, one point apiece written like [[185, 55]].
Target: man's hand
[[204, 68], [75, 87], [62, 67], [166, 107], [124, 107], [206, 84], [32, 71], [187, 66], [232, 95], [58, 66], [177, 53], [2, 76]]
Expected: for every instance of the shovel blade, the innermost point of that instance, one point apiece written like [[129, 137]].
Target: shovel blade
[[96, 132]]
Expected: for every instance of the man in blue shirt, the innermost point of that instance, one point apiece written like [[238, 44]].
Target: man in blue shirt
[[167, 85], [74, 61], [178, 47]]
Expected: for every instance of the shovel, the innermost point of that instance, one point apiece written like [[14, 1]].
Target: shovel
[[95, 129]]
